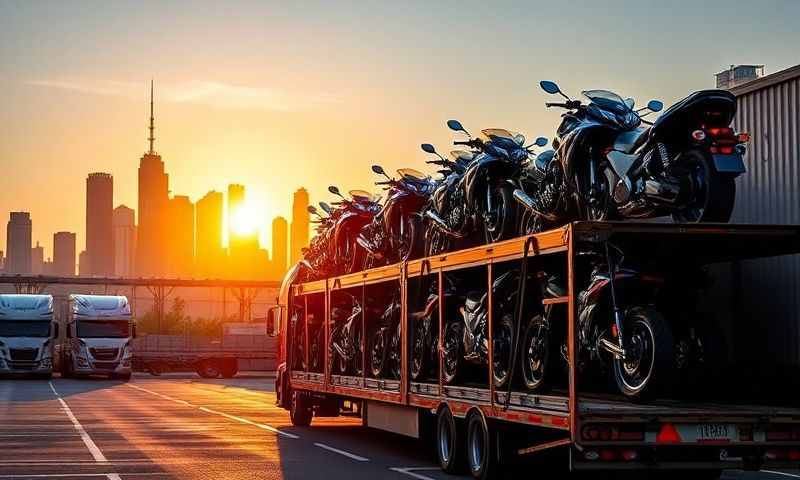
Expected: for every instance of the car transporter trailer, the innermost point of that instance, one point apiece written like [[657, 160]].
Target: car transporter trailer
[[600, 431]]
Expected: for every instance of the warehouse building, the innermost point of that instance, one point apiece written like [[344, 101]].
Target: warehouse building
[[768, 291]]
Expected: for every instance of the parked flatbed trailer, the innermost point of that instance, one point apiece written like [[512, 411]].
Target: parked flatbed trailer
[[599, 430], [209, 357]]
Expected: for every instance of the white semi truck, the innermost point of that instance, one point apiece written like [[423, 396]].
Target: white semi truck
[[96, 338], [27, 331]]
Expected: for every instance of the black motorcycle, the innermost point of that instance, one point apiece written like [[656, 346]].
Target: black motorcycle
[[467, 341], [425, 339], [395, 233], [385, 343], [684, 164], [446, 206], [346, 337]]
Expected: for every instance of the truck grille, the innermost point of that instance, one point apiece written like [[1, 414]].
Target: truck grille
[[20, 365], [23, 354], [104, 354], [105, 365]]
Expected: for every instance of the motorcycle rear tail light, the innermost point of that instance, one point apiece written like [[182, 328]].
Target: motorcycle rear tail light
[[743, 137], [699, 135]]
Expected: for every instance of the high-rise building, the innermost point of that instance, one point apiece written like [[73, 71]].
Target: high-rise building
[[37, 260], [209, 254], [2, 261], [18, 243], [153, 200], [280, 245], [99, 230], [180, 239], [124, 224], [300, 223], [83, 264], [64, 254]]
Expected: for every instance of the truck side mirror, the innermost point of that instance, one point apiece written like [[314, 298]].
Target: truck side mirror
[[273, 320]]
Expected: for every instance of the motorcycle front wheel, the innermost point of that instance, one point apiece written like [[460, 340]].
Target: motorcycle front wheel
[[418, 364], [377, 356], [647, 368], [536, 354], [503, 343], [713, 193], [409, 241], [500, 221], [453, 341]]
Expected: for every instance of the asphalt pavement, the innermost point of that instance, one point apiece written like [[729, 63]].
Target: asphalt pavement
[[187, 428]]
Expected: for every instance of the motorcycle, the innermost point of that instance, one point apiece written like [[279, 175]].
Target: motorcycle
[[425, 340], [356, 212], [467, 341], [394, 235], [684, 164], [446, 205], [346, 338], [315, 257], [385, 343]]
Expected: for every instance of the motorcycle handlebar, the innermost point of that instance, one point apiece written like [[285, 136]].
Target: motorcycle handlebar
[[462, 143], [384, 182]]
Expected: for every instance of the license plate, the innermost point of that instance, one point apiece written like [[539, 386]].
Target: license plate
[[714, 432]]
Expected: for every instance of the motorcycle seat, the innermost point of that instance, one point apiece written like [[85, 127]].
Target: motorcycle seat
[[629, 142]]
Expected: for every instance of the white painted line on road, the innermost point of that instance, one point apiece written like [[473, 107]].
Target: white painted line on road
[[342, 452], [215, 412], [250, 422], [410, 471], [87, 440], [161, 395], [781, 473]]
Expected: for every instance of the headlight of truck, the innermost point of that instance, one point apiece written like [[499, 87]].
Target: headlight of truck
[[127, 353]]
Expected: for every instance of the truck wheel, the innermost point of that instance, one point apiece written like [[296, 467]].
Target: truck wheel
[[300, 410], [449, 441], [229, 368], [208, 369], [481, 447]]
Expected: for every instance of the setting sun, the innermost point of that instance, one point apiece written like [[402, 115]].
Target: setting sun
[[245, 220]]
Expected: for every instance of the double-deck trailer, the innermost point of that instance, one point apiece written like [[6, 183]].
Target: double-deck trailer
[[477, 425]]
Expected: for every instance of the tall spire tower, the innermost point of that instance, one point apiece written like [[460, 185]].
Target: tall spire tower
[[151, 138]]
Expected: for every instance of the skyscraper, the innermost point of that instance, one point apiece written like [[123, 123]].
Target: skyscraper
[[124, 224], [37, 260], [99, 231], [300, 222], [180, 239], [153, 198], [209, 255], [18, 243], [280, 245], [64, 254], [83, 264]]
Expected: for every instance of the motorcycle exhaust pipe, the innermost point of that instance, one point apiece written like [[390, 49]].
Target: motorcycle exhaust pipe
[[442, 225], [527, 202], [611, 348], [367, 245]]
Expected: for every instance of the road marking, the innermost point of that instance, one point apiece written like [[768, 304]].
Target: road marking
[[161, 395], [87, 440], [410, 471], [342, 452], [250, 422], [781, 473], [215, 412]]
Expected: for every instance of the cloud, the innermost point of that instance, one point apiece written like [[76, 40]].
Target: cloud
[[214, 94]]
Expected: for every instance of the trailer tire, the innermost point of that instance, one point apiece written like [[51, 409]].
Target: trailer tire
[[449, 441], [481, 448], [229, 368], [208, 369], [300, 409]]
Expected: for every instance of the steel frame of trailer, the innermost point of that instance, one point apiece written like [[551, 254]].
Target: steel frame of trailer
[[558, 413]]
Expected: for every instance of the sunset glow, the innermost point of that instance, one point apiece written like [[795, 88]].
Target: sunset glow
[[246, 220]]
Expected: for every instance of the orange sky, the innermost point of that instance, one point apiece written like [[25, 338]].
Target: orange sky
[[277, 96]]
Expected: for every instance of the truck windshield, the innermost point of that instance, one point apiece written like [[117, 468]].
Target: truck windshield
[[24, 328], [102, 328]]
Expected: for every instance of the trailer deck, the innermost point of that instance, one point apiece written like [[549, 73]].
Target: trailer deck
[[571, 407]]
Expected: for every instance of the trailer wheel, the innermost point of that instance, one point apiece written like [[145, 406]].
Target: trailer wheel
[[300, 409], [208, 369], [230, 367], [481, 447], [449, 441]]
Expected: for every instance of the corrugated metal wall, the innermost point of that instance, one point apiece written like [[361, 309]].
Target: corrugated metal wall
[[769, 289]]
